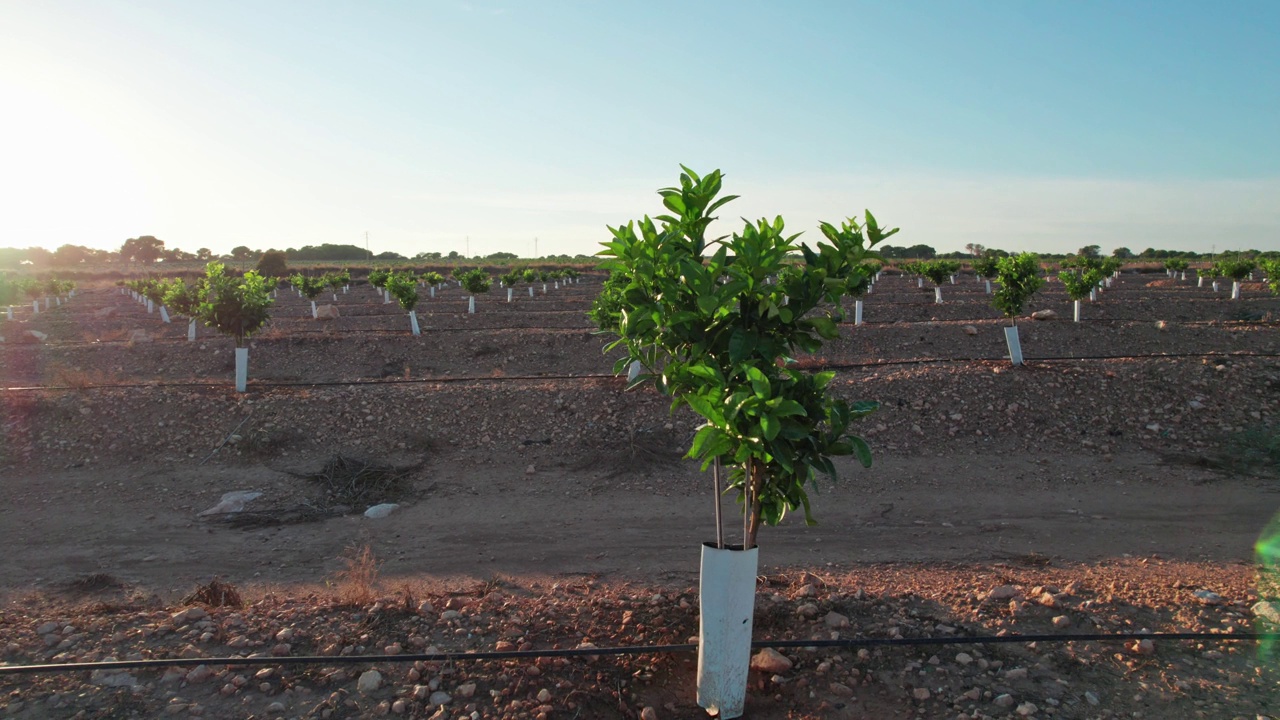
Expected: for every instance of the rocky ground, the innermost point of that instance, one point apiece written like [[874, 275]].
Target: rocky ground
[[1117, 483]]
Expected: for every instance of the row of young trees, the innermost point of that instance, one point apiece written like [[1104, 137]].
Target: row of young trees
[[52, 290]]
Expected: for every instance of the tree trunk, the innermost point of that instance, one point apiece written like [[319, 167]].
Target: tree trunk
[[751, 506]]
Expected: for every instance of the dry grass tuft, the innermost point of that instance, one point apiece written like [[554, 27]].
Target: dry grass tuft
[[215, 593], [357, 584]]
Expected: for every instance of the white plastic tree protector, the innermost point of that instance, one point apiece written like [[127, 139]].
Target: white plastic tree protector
[[8, 312], [1235, 289], [857, 312], [433, 291], [386, 297], [919, 282], [164, 313], [509, 294], [242, 368], [988, 283], [1076, 303], [544, 288], [726, 601], [937, 294], [314, 314], [1199, 281], [151, 307], [530, 291], [1015, 345], [191, 330], [413, 322], [471, 304], [35, 307]]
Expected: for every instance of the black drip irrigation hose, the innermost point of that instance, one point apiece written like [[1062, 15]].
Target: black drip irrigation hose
[[624, 650], [210, 384]]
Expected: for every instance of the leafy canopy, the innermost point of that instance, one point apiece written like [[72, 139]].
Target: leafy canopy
[[716, 324]]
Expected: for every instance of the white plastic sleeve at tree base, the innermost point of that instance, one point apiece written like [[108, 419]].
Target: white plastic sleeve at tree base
[[509, 291], [544, 288], [8, 313], [433, 291], [150, 307], [314, 313], [1200, 281], [35, 307], [1215, 286], [191, 330], [937, 295], [1076, 303], [919, 282], [471, 305], [1235, 289], [857, 312], [530, 291], [1093, 295], [988, 282], [164, 313], [413, 322], [953, 279], [386, 297], [726, 606], [242, 368], [1015, 345]]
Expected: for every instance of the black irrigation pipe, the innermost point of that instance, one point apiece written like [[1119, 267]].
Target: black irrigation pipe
[[612, 651], [610, 376]]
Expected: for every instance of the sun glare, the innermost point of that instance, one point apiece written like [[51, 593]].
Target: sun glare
[[65, 179]]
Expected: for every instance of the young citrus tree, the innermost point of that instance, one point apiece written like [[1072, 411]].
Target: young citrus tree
[[184, 299], [237, 307], [378, 279], [984, 266], [1080, 284], [1019, 279], [1175, 267], [336, 281], [154, 291], [509, 279], [405, 290], [475, 281], [709, 315], [309, 287], [1237, 270], [1272, 270], [938, 271]]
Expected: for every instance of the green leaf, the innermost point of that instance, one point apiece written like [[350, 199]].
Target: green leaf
[[769, 426], [861, 450], [759, 383]]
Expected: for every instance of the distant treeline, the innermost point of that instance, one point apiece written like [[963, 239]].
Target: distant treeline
[[148, 250]]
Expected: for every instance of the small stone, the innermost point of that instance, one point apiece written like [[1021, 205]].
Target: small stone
[[466, 690], [1061, 621], [377, 512], [808, 610], [970, 330], [1268, 611], [544, 695], [836, 620], [920, 693], [1162, 325], [285, 635], [648, 713], [1044, 315], [1026, 709], [964, 658], [530, 470], [275, 708], [1015, 674], [1004, 700], [440, 697], [110, 678], [281, 649], [327, 312], [46, 628], [1144, 647], [841, 690], [450, 615], [1003, 592], [399, 706], [771, 662], [425, 607], [370, 681], [1208, 597], [1091, 698], [1195, 404], [199, 674]]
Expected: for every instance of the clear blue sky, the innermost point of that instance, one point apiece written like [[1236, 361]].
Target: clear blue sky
[[1029, 125]]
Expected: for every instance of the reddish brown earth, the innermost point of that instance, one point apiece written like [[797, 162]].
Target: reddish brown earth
[[548, 507]]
